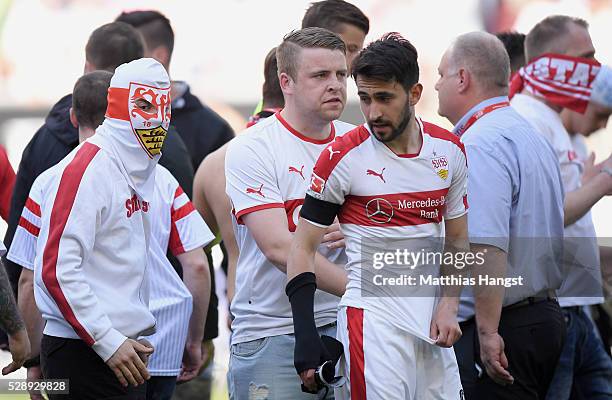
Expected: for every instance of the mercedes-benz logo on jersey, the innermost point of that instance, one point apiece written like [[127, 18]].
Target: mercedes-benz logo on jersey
[[379, 210]]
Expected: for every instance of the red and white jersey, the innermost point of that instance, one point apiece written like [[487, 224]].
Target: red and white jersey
[[177, 226], [23, 246], [269, 167], [378, 194]]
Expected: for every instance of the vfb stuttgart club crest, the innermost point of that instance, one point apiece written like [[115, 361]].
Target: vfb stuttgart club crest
[[440, 165]]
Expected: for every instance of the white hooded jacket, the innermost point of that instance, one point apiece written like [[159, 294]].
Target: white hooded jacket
[[94, 237]]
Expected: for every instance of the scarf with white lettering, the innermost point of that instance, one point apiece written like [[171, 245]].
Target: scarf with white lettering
[[559, 79], [602, 87]]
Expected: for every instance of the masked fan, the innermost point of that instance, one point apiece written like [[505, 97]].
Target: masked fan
[[94, 238]]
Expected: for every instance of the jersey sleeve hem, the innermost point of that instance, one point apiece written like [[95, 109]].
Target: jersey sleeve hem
[[192, 246], [500, 243], [456, 215], [259, 207], [18, 260]]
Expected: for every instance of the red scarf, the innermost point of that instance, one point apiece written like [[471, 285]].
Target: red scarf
[[561, 80]]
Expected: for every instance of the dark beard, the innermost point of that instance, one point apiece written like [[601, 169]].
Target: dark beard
[[406, 116]]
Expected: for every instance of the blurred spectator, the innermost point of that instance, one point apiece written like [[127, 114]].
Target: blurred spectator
[[273, 100], [597, 113], [584, 368], [202, 130], [580, 126], [514, 43], [7, 181], [342, 18]]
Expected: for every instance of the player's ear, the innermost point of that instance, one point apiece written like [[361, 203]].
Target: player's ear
[[73, 118], [88, 67], [415, 94], [161, 54], [286, 82]]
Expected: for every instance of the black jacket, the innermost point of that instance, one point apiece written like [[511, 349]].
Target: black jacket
[[51, 143], [202, 129]]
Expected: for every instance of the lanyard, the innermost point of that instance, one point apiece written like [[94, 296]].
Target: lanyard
[[479, 114]]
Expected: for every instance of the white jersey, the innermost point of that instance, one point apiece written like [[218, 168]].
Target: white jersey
[[582, 283], [381, 197], [177, 227], [268, 167]]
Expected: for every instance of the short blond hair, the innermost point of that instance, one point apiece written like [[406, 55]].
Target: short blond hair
[[288, 52]]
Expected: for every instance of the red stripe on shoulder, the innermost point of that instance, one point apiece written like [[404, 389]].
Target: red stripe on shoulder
[[336, 150], [179, 191], [182, 212], [441, 133], [62, 207], [33, 206]]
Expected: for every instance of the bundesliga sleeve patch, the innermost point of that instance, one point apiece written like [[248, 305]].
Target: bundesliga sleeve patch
[[317, 184]]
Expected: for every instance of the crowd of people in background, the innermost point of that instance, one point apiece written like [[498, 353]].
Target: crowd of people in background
[[108, 280]]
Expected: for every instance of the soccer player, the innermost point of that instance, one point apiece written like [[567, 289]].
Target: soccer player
[[395, 176], [95, 234], [512, 337], [267, 169], [561, 48]]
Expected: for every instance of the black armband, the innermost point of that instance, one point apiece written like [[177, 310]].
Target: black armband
[[319, 211]]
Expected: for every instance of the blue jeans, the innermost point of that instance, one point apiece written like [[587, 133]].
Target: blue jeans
[[161, 387], [585, 369], [263, 369]]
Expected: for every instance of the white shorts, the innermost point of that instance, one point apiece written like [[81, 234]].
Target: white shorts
[[383, 362]]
